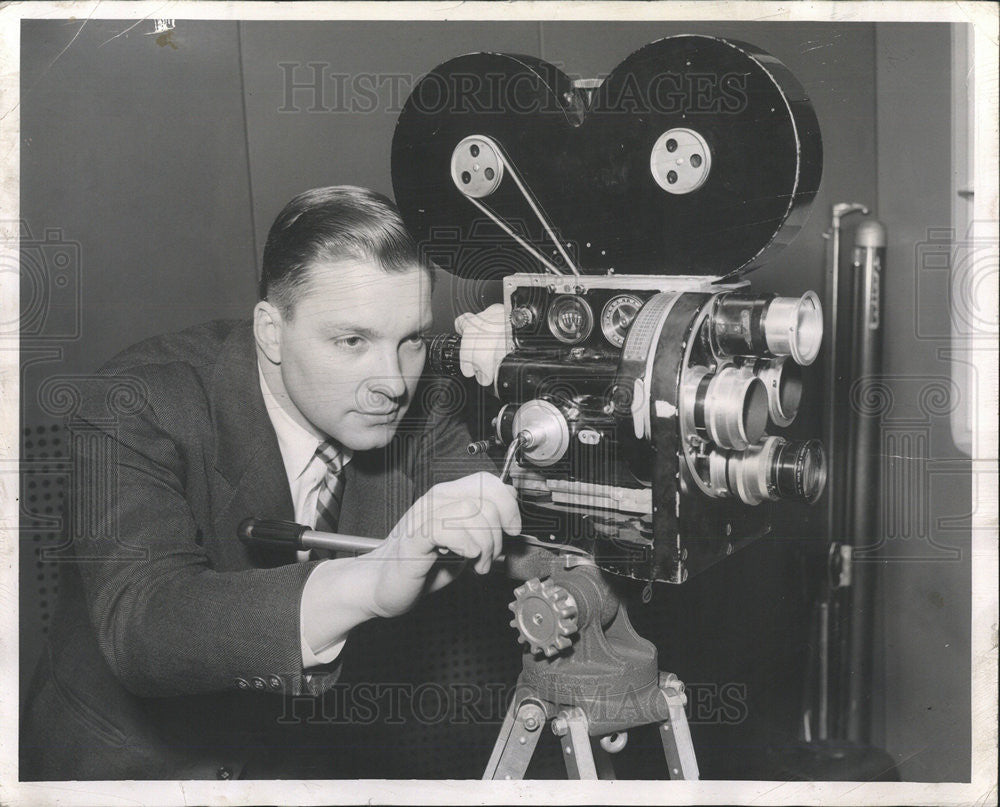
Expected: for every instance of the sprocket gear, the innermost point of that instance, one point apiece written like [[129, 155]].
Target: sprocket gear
[[545, 616]]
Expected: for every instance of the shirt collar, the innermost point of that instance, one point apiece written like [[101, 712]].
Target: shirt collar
[[297, 443]]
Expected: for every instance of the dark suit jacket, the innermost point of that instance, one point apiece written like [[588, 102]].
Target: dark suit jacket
[[173, 642]]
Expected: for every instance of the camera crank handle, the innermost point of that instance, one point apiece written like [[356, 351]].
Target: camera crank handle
[[290, 535], [522, 441]]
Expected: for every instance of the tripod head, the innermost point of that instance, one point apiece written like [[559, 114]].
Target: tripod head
[[585, 668]]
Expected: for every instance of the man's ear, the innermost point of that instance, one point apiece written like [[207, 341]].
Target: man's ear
[[268, 325]]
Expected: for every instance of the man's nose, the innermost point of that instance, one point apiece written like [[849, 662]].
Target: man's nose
[[389, 380]]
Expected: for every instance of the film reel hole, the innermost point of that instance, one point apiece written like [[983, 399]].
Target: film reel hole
[[680, 160]]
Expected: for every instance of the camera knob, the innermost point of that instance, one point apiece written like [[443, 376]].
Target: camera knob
[[544, 615], [522, 317]]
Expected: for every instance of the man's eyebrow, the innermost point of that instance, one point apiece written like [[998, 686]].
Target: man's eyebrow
[[357, 330], [371, 333]]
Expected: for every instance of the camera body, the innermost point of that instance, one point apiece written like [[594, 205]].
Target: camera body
[[644, 384], [646, 401]]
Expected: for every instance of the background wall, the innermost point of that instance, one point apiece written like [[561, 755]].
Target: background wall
[[161, 161], [922, 561]]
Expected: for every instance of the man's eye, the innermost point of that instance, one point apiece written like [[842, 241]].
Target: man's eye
[[350, 342], [415, 341]]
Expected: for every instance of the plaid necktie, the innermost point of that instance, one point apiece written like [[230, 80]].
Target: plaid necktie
[[331, 491]]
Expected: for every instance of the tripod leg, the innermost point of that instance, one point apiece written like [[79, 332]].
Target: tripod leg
[[675, 734], [602, 760], [572, 728], [516, 742], [606, 746]]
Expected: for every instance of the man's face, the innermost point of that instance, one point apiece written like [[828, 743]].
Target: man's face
[[351, 351]]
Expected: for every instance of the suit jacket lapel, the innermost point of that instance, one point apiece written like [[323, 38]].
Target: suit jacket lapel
[[376, 495], [251, 476]]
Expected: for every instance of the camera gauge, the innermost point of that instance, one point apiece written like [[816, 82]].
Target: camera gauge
[[617, 316], [570, 319]]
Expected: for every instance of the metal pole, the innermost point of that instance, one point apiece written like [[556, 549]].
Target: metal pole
[[868, 263], [836, 478], [834, 526]]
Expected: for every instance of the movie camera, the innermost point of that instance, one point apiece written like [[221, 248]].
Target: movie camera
[[645, 385]]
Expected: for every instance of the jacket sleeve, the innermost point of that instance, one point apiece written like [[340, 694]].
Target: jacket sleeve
[[166, 621]]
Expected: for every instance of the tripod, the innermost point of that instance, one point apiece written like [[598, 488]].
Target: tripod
[[601, 685]]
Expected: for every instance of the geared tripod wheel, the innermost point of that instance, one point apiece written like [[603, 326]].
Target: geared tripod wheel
[[544, 615]]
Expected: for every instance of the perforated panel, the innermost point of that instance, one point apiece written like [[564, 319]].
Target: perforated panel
[[44, 473], [454, 660]]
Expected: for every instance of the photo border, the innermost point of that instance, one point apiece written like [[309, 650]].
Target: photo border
[[981, 790]]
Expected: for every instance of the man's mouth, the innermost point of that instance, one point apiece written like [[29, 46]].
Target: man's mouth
[[385, 414]]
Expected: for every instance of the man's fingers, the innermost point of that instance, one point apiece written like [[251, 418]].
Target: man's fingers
[[492, 515], [453, 506], [483, 534], [457, 540], [504, 497], [472, 540], [471, 527], [487, 486], [476, 522]]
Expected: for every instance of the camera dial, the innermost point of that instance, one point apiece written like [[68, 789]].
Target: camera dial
[[546, 430]]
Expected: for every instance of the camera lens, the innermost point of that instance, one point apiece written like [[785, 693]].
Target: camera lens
[[737, 325], [728, 407], [749, 473], [783, 380], [773, 469], [743, 325], [794, 326], [800, 470]]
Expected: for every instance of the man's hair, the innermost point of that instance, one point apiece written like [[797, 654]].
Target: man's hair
[[332, 224]]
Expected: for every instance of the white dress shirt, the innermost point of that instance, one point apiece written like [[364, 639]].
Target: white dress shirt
[[305, 471]]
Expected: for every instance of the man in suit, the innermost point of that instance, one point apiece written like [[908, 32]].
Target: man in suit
[[174, 642]]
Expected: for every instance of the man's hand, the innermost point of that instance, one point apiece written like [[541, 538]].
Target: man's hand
[[483, 343], [467, 517]]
